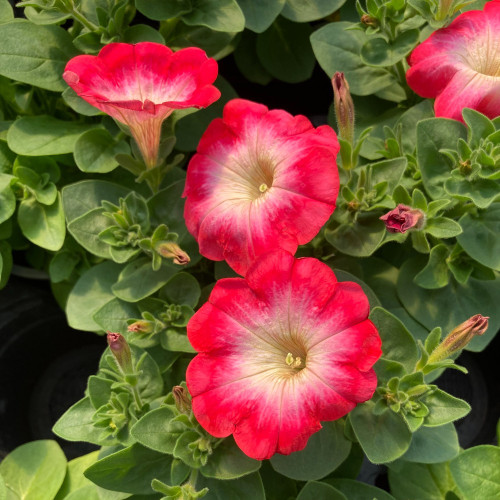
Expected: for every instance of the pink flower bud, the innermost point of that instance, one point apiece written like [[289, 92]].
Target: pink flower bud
[[459, 337], [368, 20], [344, 107], [171, 250], [403, 218], [121, 351]]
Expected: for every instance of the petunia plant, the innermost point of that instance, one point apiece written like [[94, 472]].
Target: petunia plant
[[281, 282]]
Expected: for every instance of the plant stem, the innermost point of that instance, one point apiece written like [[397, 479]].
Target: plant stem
[[78, 16]]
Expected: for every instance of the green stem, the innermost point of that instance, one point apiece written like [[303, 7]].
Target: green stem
[[137, 398], [83, 20], [192, 478]]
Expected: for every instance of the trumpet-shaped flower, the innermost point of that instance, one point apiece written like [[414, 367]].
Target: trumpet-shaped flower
[[280, 351], [460, 65], [140, 85], [260, 180]]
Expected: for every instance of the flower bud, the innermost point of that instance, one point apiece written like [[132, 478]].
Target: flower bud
[[171, 250], [368, 20], [121, 351], [182, 400], [344, 107], [403, 218], [141, 326], [459, 338]]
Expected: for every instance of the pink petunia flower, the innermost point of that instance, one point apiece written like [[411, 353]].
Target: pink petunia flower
[[260, 180], [460, 65], [280, 351], [140, 85]]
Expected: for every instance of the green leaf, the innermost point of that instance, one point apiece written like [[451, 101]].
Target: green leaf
[[444, 408], [219, 15], [41, 224], [354, 490], [476, 472], [6, 15], [389, 171], [5, 263], [482, 192], [99, 390], [3, 489], [190, 128], [479, 126], [76, 103], [138, 280], [88, 492], [260, 14], [421, 481], [248, 62], [83, 196], [91, 291], [360, 238], [229, 462], [131, 470], [159, 10], [76, 424], [303, 11], [436, 273], [397, 343], [285, 51], [7, 198], [41, 57], [34, 471], [324, 452], [431, 445], [113, 315], [95, 151], [152, 430], [337, 49], [315, 490], [481, 236], [383, 437], [433, 135], [378, 52], [248, 487], [182, 288], [142, 33], [44, 135], [451, 305], [74, 478], [86, 229]]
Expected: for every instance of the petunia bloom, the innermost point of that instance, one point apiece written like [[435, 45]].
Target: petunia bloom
[[403, 218], [280, 351], [260, 180], [460, 65], [140, 85]]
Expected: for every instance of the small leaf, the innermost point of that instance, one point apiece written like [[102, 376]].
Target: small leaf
[[435, 274], [43, 225], [324, 452], [131, 470], [378, 52], [383, 437], [219, 15], [355, 490], [444, 408], [442, 227], [315, 490], [95, 151], [260, 14]]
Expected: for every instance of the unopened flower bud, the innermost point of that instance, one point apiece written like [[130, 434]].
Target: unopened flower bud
[[121, 351], [141, 326], [344, 107], [459, 338], [403, 218], [368, 20], [171, 250], [446, 9], [182, 400]]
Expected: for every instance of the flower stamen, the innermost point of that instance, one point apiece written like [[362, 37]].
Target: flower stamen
[[293, 362]]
